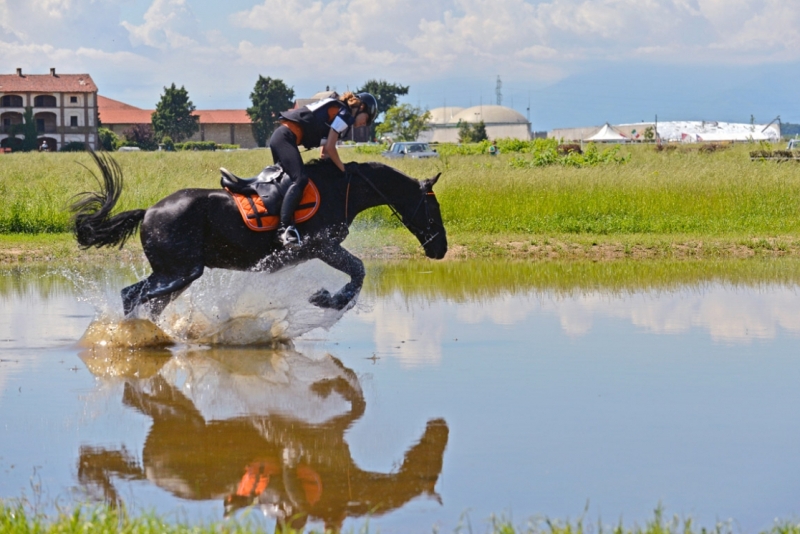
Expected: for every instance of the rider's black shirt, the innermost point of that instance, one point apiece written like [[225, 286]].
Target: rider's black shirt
[[319, 118]]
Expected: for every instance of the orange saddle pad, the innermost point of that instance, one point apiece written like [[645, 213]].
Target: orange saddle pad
[[259, 219]]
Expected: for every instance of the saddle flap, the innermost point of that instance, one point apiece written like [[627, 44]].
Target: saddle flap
[[248, 186], [271, 173]]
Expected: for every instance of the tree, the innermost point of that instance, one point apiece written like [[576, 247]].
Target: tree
[[174, 115], [405, 121], [140, 135], [31, 141], [269, 98], [27, 128], [472, 133], [384, 92]]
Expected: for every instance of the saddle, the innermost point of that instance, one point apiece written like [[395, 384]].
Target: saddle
[[259, 198]]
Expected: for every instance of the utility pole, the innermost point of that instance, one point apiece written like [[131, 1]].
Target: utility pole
[[528, 115]]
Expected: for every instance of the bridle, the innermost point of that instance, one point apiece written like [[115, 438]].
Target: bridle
[[427, 233]]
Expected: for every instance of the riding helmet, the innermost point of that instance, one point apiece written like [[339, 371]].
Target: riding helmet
[[370, 104]]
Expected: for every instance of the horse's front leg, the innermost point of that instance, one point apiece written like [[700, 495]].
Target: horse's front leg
[[341, 260]]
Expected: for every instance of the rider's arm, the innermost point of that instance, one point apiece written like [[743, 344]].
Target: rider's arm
[[329, 149]]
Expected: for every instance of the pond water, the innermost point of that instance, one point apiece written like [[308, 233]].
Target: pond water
[[451, 391]]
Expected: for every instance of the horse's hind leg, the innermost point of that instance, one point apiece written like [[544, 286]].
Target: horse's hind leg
[[132, 296], [159, 289]]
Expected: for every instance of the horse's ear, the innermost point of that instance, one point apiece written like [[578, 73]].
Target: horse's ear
[[428, 184]]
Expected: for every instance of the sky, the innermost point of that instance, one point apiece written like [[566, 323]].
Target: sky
[[562, 63]]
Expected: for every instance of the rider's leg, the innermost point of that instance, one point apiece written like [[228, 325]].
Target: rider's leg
[[283, 145]]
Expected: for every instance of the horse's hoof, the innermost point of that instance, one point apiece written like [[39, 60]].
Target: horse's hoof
[[322, 299]]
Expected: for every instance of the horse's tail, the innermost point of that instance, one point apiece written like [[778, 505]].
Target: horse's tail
[[93, 224]]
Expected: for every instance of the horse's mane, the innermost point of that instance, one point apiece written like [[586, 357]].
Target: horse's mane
[[326, 170]]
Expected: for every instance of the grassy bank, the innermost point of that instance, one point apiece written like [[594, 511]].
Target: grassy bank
[[370, 242], [17, 519], [681, 203]]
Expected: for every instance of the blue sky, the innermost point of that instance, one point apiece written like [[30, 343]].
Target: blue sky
[[573, 62]]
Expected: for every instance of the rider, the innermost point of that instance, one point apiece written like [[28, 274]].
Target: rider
[[322, 123]]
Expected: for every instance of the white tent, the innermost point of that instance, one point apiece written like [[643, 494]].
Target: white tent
[[607, 135]]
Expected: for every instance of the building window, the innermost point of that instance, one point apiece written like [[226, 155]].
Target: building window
[[73, 121], [40, 125], [73, 100], [45, 101], [12, 101]]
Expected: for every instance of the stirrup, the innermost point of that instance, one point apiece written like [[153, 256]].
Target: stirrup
[[289, 237]]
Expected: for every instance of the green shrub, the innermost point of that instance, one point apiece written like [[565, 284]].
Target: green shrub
[[109, 141], [167, 144], [371, 149], [73, 146], [196, 145], [549, 152]]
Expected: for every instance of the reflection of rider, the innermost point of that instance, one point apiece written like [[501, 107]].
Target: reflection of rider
[[294, 469], [322, 123]]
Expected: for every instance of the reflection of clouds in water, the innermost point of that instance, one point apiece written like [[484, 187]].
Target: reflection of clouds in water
[[729, 315], [24, 322], [411, 333], [504, 310]]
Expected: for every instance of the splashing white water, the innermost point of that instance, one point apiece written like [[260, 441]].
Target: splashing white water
[[244, 308], [227, 307]]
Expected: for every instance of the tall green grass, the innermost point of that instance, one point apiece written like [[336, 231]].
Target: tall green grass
[[675, 192], [18, 519]]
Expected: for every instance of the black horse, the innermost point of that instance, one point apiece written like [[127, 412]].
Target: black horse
[[192, 229]]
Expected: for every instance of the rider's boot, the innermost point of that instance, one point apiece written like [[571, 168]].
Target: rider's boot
[[289, 236]]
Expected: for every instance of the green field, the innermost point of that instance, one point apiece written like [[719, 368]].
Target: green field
[[659, 204]]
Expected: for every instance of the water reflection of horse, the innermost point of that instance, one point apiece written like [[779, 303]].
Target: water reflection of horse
[[211, 437], [192, 229]]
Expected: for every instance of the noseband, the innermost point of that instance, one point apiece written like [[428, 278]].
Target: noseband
[[427, 233]]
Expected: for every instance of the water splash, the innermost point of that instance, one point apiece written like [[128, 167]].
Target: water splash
[[221, 308]]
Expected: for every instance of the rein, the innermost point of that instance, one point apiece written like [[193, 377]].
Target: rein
[[411, 226]]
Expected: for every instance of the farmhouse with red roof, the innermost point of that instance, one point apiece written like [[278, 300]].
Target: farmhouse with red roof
[[64, 107], [223, 126]]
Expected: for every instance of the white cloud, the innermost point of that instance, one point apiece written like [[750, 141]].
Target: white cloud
[[450, 37], [167, 24], [452, 43]]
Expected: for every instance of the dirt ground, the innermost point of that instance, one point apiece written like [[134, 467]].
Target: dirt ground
[[62, 248]]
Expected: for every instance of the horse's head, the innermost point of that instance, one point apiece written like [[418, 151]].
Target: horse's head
[[425, 221]]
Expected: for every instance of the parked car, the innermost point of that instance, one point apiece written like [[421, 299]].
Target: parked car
[[413, 150], [793, 144]]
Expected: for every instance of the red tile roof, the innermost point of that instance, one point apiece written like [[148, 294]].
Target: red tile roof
[[109, 116], [47, 83], [223, 116], [107, 103], [115, 112]]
